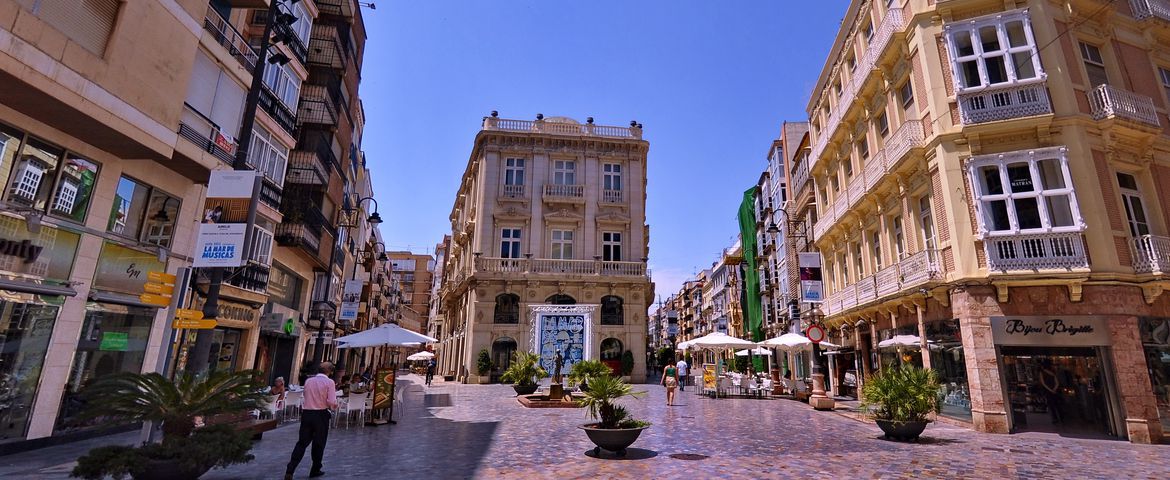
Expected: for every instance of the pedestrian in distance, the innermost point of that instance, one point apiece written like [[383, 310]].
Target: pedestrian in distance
[[430, 371], [683, 370], [670, 381], [319, 402]]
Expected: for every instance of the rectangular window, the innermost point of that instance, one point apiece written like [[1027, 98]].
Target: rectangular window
[[1094, 64], [992, 51], [564, 172], [510, 243], [906, 95], [611, 246], [1135, 209], [837, 90], [847, 167], [875, 247], [612, 176], [863, 149], [562, 244], [514, 171], [1164, 75], [883, 124], [899, 239], [283, 83], [142, 212], [87, 23], [868, 32], [926, 222], [44, 177], [268, 156], [1025, 191], [858, 262]]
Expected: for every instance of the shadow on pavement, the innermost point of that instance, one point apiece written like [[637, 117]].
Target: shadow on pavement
[[631, 454]]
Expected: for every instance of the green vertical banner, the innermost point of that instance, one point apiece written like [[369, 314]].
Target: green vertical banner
[[753, 313]]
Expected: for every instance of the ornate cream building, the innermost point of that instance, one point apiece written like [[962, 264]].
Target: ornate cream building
[[990, 176], [550, 211]]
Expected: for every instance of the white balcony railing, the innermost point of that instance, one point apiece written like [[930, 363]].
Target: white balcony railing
[[1151, 254], [910, 272], [856, 189], [561, 128], [513, 191], [908, 136], [573, 191], [1004, 103], [918, 268], [887, 280], [612, 196], [1143, 9], [555, 266], [1033, 252], [1107, 101]]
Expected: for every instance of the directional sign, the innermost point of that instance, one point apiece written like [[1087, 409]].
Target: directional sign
[[161, 277], [152, 299], [195, 324], [188, 314], [159, 289]]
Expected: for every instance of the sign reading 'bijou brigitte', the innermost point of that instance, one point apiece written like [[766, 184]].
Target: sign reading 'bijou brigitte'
[[1077, 331]]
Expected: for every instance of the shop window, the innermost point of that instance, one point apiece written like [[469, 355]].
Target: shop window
[[26, 325], [611, 354], [142, 212], [948, 361], [1155, 335], [1024, 192], [45, 177], [993, 51], [611, 310], [113, 340], [507, 308]]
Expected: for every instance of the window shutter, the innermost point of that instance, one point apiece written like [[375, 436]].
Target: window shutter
[[86, 22], [229, 105], [201, 90]]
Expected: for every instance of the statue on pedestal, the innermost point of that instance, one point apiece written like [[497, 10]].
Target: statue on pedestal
[[558, 363]]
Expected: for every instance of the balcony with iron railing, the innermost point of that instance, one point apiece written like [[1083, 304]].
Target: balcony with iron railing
[[1145, 9], [570, 193], [1108, 102], [205, 134], [325, 48], [560, 128], [229, 38], [306, 168], [907, 274], [892, 23], [548, 266], [317, 107], [270, 193], [303, 226], [279, 112], [1034, 252], [253, 278], [337, 8], [1004, 102], [1151, 254]]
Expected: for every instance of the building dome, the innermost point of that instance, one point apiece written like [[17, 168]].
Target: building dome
[[561, 120]]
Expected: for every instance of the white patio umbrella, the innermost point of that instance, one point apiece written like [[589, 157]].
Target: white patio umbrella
[[421, 356], [793, 341], [717, 340], [756, 351], [901, 341], [387, 334]]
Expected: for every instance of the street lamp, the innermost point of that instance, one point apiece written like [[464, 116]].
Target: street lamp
[[347, 224]]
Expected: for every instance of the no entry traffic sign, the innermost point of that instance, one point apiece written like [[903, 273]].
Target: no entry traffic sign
[[815, 333]]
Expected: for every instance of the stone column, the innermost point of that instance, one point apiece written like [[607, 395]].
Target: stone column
[[988, 406], [1136, 394], [921, 311]]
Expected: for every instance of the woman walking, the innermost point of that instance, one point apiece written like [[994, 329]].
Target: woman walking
[[670, 381]]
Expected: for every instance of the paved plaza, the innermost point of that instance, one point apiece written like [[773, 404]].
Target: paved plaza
[[480, 431]]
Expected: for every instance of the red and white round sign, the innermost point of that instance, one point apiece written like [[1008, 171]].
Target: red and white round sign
[[815, 333]]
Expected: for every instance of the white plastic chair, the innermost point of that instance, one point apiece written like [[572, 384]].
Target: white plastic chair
[[356, 402], [268, 410], [745, 384], [292, 404]]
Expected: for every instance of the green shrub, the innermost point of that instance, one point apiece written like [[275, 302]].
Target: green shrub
[[524, 370], [483, 364], [584, 370], [627, 362], [902, 394], [215, 446]]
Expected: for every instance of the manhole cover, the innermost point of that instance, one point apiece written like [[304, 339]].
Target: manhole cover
[[437, 400], [687, 456]]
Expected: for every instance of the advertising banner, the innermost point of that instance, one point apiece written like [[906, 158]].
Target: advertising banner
[[383, 388], [812, 289], [709, 378], [351, 297], [124, 270], [225, 218]]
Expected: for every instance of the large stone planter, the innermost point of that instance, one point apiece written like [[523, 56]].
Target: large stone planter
[[524, 389], [612, 439], [905, 431]]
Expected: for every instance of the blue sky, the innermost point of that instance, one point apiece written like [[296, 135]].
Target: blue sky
[[711, 81]]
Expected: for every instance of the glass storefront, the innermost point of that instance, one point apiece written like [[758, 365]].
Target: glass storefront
[[26, 326], [113, 340], [946, 359], [1155, 334], [1056, 389], [225, 346]]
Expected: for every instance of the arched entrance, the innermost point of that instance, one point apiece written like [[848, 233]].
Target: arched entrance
[[502, 350], [611, 354]]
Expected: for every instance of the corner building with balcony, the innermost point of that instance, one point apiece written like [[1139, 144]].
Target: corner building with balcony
[[991, 177], [550, 211]]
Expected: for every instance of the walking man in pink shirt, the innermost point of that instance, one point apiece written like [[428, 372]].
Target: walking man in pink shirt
[[320, 399]]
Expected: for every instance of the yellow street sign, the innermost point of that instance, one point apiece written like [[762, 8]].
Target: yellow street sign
[[161, 277], [153, 299], [188, 314], [158, 288], [194, 324]]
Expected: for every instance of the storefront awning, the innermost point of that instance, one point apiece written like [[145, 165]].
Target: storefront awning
[[36, 288]]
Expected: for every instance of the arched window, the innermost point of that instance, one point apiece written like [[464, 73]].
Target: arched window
[[507, 308], [561, 299], [502, 350], [611, 310]]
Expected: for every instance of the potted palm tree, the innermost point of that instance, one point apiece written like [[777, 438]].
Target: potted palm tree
[[186, 452], [582, 371], [900, 400], [615, 429], [523, 373]]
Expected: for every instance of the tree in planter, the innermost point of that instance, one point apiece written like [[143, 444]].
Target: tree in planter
[[524, 370], [900, 396], [483, 364], [599, 403], [627, 362], [134, 397]]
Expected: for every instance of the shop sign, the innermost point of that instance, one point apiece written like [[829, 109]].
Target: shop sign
[[279, 323], [114, 342], [47, 254], [812, 288], [125, 270], [238, 313], [328, 337], [350, 300], [1075, 331]]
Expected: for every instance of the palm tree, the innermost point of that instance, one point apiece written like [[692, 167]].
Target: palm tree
[[136, 397], [599, 400]]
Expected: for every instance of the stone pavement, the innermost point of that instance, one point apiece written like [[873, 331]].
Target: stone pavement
[[480, 431]]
